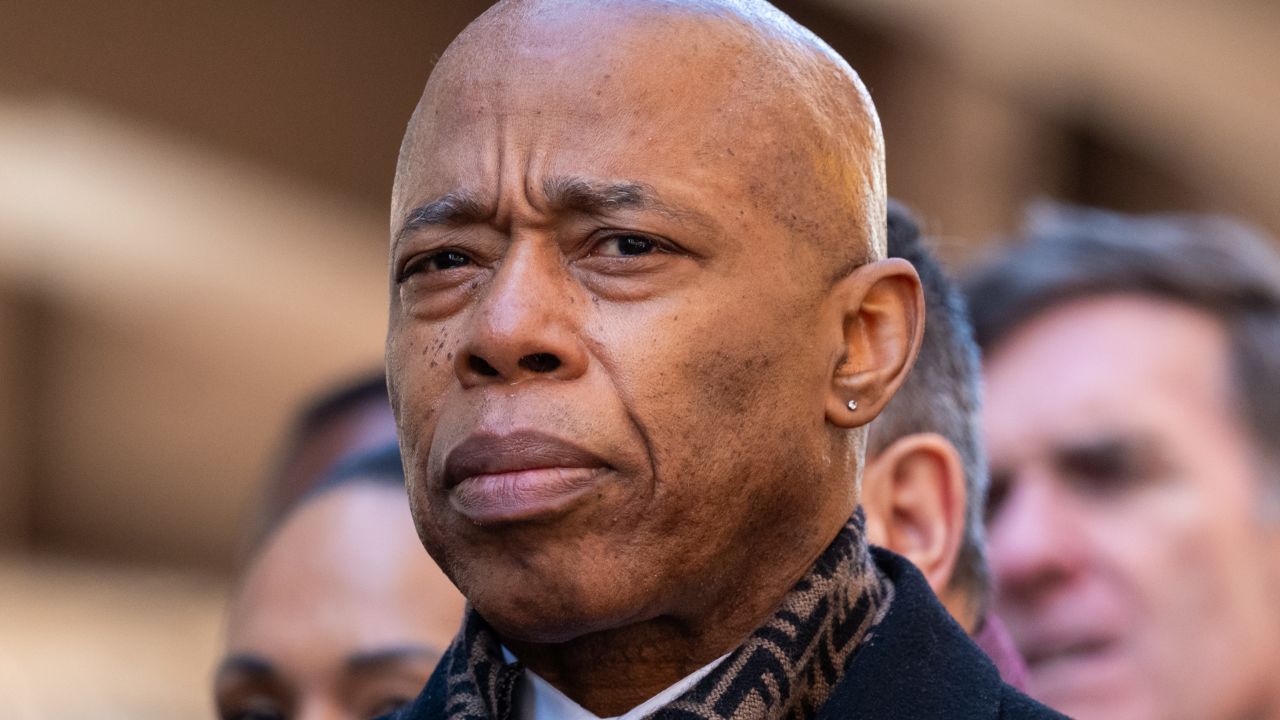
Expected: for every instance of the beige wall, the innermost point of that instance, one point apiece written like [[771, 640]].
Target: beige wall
[[181, 305], [1184, 87], [109, 643]]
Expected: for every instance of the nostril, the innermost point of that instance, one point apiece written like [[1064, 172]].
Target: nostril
[[540, 362], [481, 366]]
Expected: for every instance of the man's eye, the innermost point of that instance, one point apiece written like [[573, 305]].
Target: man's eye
[[436, 262], [626, 246], [257, 711], [446, 260], [257, 715]]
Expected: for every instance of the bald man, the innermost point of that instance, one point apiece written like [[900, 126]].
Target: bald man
[[640, 315]]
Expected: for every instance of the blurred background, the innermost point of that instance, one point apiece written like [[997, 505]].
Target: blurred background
[[193, 201]]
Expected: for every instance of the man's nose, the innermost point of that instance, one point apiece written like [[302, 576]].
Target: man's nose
[[527, 323], [1035, 541], [317, 706]]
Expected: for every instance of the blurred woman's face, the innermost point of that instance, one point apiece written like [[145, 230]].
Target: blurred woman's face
[[342, 614]]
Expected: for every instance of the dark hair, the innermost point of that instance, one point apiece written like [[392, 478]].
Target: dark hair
[[296, 469], [942, 395], [1213, 264], [381, 466], [339, 401]]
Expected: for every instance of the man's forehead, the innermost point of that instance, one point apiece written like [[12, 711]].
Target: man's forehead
[[540, 24], [665, 88], [554, 63], [654, 52], [610, 124]]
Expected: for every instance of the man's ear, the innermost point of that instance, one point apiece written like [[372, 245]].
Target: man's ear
[[914, 496], [880, 310]]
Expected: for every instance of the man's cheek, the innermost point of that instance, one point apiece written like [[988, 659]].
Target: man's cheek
[[421, 366]]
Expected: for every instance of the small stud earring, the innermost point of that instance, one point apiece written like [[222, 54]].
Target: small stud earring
[[853, 405]]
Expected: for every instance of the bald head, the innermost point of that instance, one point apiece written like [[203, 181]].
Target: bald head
[[756, 95], [632, 251]]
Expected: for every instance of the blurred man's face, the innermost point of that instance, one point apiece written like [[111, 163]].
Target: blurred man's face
[[341, 615], [598, 330], [1132, 561]]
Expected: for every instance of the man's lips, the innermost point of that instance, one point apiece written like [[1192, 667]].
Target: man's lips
[[1045, 654], [518, 476], [1071, 656]]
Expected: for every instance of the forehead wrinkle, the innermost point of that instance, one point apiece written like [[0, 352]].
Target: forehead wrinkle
[[578, 194]]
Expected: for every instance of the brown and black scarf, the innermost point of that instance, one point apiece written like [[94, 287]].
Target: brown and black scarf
[[786, 669]]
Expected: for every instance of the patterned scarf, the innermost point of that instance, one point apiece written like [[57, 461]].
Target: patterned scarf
[[786, 669]]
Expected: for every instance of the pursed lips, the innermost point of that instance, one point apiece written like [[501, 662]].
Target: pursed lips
[[518, 476], [1073, 659], [1042, 654]]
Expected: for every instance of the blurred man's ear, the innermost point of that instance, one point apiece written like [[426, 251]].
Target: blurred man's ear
[[877, 321], [914, 496]]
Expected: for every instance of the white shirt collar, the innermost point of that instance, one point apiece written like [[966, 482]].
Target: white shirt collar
[[536, 699]]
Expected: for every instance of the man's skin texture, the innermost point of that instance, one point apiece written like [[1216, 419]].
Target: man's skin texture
[[628, 313]]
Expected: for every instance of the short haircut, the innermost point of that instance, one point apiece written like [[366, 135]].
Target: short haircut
[[1216, 265], [942, 395], [381, 466], [378, 468], [339, 401], [295, 471]]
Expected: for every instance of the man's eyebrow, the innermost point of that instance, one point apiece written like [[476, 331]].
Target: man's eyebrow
[[372, 659], [252, 665], [575, 194], [1119, 452], [582, 195], [592, 196], [451, 209]]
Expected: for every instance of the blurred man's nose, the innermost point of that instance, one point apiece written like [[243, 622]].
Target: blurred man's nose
[[1036, 543], [321, 708], [527, 324]]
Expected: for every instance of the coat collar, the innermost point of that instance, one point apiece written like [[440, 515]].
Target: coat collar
[[918, 663]]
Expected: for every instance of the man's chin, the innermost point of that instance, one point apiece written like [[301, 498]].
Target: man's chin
[[543, 592], [526, 620]]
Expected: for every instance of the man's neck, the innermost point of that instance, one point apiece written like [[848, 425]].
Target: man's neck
[[612, 671]]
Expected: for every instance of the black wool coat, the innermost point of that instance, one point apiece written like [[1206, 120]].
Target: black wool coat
[[920, 665]]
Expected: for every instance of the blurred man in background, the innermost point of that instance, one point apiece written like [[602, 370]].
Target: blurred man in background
[[1133, 425], [340, 615], [926, 476]]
